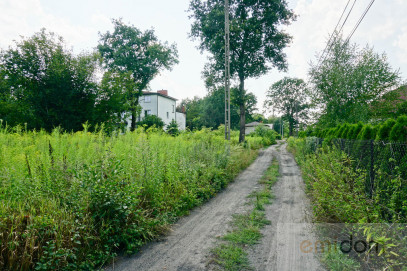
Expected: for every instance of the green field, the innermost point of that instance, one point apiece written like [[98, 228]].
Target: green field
[[74, 200]]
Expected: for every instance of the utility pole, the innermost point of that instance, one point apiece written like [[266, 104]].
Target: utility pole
[[296, 116], [281, 127], [227, 73]]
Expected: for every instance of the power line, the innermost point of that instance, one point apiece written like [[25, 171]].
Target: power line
[[353, 30], [354, 2], [335, 29], [334, 32], [360, 20]]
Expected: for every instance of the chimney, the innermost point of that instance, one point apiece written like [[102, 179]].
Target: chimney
[[163, 92], [183, 109]]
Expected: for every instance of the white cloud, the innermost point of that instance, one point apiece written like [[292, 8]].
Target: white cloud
[[13, 20], [24, 18], [401, 44]]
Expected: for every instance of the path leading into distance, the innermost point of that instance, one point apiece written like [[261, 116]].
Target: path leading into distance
[[188, 245]]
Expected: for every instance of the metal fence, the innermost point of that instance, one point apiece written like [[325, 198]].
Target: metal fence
[[377, 158]]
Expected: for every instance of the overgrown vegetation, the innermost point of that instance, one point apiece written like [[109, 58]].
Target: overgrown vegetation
[[391, 130], [230, 254], [347, 79], [338, 192], [72, 201]]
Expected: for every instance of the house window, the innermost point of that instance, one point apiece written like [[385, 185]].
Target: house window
[[168, 115], [147, 113], [147, 99], [173, 108]]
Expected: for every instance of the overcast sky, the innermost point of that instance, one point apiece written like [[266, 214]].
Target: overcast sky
[[80, 21]]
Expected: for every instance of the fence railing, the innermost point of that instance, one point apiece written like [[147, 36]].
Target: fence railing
[[387, 159]]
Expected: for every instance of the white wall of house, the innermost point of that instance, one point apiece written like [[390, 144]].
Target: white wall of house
[[162, 106], [148, 104], [181, 119], [166, 109]]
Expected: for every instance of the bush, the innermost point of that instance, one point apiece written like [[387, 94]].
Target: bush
[[172, 128], [150, 121], [384, 130], [368, 132], [268, 135], [399, 130]]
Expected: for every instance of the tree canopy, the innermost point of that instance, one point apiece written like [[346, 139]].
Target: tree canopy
[[256, 39], [210, 110], [348, 80], [140, 54], [43, 85], [289, 97]]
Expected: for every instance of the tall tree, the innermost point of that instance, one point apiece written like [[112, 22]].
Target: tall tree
[[348, 80], [210, 110], [141, 54], [44, 85], [256, 38], [289, 97]]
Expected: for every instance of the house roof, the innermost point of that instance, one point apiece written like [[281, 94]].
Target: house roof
[[159, 94], [252, 124]]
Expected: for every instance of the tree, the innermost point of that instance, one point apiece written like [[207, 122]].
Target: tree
[[113, 101], [44, 85], [289, 97], [348, 80], [141, 54], [210, 110], [172, 128], [256, 39]]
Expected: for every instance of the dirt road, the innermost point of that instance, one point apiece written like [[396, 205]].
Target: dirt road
[[280, 247], [189, 244]]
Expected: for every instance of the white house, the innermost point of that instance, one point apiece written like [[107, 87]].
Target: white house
[[161, 105]]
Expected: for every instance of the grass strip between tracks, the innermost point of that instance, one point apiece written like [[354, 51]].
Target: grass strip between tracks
[[230, 253]]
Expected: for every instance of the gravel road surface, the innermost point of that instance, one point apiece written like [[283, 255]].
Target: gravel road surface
[[280, 247]]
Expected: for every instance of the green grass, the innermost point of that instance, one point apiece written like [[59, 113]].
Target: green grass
[[72, 201], [230, 254], [231, 257], [335, 260]]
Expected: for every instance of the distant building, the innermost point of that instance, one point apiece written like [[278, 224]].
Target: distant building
[[250, 127], [161, 105]]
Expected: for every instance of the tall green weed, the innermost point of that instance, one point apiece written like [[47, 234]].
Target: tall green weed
[[72, 201]]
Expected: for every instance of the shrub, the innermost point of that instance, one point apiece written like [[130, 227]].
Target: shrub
[[345, 130], [172, 128], [151, 120], [399, 130], [384, 130], [356, 130], [268, 135], [368, 132]]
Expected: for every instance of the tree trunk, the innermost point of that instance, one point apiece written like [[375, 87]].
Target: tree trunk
[[242, 111], [291, 127], [134, 114], [133, 119]]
